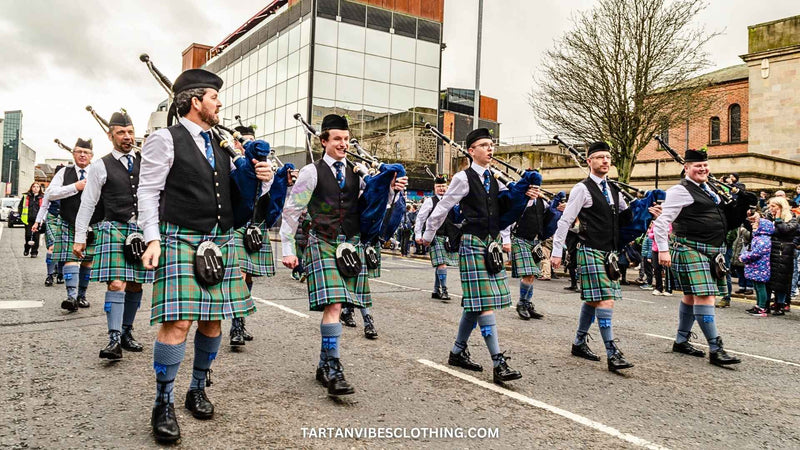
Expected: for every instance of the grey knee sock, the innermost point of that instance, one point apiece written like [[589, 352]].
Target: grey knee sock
[[441, 276], [132, 302], [435, 282], [114, 307], [51, 266], [330, 341], [488, 324], [465, 327], [71, 280], [525, 292], [83, 282], [584, 323], [606, 331], [166, 360], [366, 314], [205, 352], [685, 322], [704, 314]]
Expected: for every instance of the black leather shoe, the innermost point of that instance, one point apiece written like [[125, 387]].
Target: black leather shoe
[[462, 360], [617, 360], [443, 295], [128, 342], [60, 278], [369, 328], [237, 337], [322, 375], [112, 351], [82, 302], [721, 357], [571, 287], [435, 294], [165, 423], [522, 311], [502, 372], [34, 254], [70, 305], [583, 351], [347, 318], [247, 336], [48, 281], [687, 349], [532, 312], [26, 252], [199, 404], [337, 385]]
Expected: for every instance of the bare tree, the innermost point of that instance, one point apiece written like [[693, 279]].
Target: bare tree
[[625, 70]]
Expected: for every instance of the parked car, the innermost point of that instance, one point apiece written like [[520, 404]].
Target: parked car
[[7, 205]]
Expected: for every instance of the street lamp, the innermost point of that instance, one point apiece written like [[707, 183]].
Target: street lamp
[[10, 176]]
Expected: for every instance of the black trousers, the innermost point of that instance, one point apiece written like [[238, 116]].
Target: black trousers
[[31, 236]]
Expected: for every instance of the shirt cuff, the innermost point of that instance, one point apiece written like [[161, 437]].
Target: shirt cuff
[[428, 236], [287, 248], [557, 252], [80, 237], [151, 233]]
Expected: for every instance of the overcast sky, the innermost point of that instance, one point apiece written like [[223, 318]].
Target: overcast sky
[[59, 57]]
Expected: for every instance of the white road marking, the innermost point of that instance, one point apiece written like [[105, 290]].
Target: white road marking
[[636, 300], [731, 351], [549, 408], [281, 307], [404, 259], [21, 304], [406, 287], [1, 231]]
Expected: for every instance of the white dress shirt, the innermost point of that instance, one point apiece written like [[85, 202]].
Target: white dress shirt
[[43, 210], [458, 189], [56, 189], [579, 198], [677, 198], [158, 154], [422, 215], [95, 180]]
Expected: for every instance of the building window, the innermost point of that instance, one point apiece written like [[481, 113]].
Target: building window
[[714, 130], [664, 132], [735, 123]]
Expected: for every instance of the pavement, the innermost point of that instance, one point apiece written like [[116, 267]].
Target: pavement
[[57, 393]]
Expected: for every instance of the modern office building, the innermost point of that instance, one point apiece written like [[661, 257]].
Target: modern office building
[[12, 132], [376, 62], [25, 168], [456, 120]]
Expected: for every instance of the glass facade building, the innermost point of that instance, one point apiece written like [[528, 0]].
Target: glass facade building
[[378, 67], [12, 131]]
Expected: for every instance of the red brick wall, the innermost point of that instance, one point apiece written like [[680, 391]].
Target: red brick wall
[[726, 95]]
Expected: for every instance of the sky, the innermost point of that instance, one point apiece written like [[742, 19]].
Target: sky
[[60, 57]]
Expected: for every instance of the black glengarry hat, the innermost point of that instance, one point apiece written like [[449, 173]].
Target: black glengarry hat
[[84, 143], [119, 119], [440, 179], [246, 130], [695, 155], [196, 78], [334, 122], [598, 146], [476, 135]]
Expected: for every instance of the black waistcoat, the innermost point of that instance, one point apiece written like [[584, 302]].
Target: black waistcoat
[[448, 221], [196, 196], [334, 211], [119, 192], [703, 220], [481, 210], [531, 224], [600, 222], [70, 205]]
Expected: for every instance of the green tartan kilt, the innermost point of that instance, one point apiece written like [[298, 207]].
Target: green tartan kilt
[[62, 248], [375, 273], [109, 262], [176, 293], [260, 263], [595, 284], [481, 290], [691, 266], [522, 262], [440, 255], [52, 226], [325, 285]]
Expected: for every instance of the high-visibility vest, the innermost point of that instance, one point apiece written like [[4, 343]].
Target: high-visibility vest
[[26, 202]]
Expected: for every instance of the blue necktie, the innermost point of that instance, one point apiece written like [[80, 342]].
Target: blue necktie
[[604, 184], [339, 173], [709, 193], [130, 163], [83, 172], [209, 150], [486, 177]]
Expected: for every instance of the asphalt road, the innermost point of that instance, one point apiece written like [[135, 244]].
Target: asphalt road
[[56, 393]]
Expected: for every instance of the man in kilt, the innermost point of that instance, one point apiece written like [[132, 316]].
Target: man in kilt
[[67, 186], [329, 190], [602, 210], [699, 226], [190, 184], [477, 192], [49, 220], [112, 182], [441, 257]]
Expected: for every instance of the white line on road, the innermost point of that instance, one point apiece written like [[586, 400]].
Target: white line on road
[[1, 231], [541, 405], [406, 287], [731, 351], [281, 307], [637, 300], [21, 304]]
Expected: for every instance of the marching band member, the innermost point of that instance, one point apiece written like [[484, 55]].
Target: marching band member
[[443, 252]]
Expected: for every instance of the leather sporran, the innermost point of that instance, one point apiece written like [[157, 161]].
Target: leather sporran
[[493, 255], [133, 248], [90, 237], [719, 269], [537, 253], [208, 265], [611, 263], [371, 257], [347, 260], [252, 239]]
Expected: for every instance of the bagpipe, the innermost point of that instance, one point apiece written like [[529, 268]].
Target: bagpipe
[[377, 222], [639, 200], [105, 126], [62, 145], [735, 202]]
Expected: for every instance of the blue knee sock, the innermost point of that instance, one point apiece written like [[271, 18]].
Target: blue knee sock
[[205, 351], [704, 314], [488, 324], [83, 282], [525, 292], [132, 302], [606, 331], [51, 266], [114, 307], [465, 327], [330, 341], [441, 276], [71, 280], [436, 281], [166, 360], [685, 322], [584, 323]]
